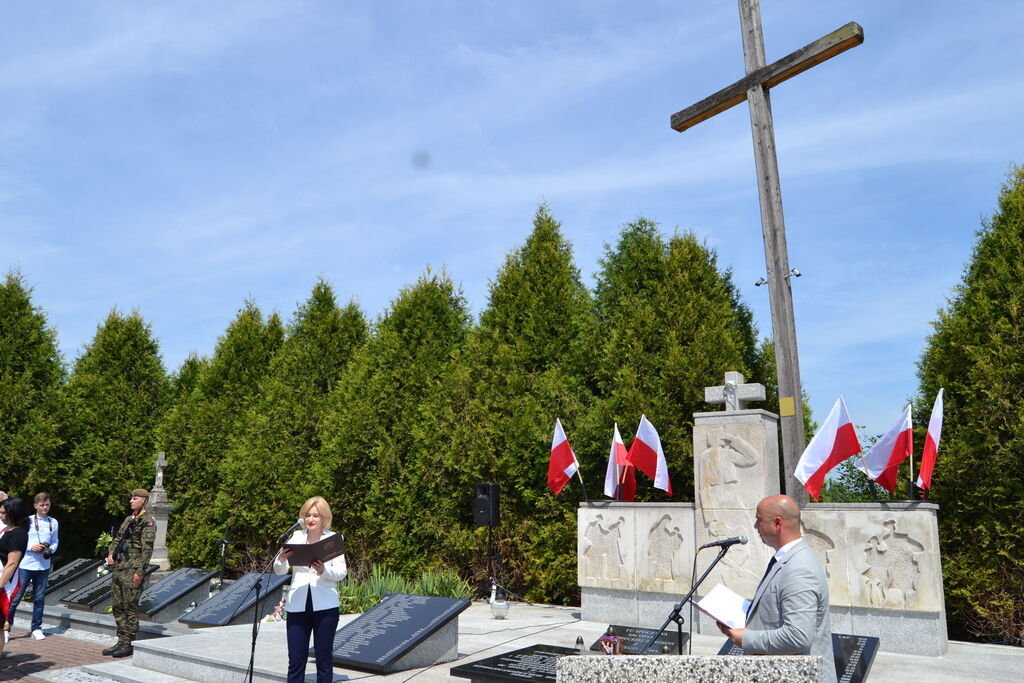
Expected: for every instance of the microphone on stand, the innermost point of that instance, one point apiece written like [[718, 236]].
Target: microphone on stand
[[724, 543], [284, 537]]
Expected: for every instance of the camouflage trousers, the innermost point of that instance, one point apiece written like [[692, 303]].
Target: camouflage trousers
[[125, 606]]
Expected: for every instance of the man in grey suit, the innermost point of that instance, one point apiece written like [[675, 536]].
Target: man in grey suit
[[789, 614]]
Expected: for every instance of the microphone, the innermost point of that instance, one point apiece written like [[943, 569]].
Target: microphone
[[284, 537], [725, 543]]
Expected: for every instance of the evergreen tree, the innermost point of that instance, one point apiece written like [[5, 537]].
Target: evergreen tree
[[529, 362], [115, 398], [671, 323], [266, 474], [31, 373], [977, 354], [373, 415], [198, 430]]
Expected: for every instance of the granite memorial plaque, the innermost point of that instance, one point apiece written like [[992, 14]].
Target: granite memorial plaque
[[534, 663], [72, 575], [384, 638], [853, 655], [96, 595], [236, 603], [169, 597], [635, 637]]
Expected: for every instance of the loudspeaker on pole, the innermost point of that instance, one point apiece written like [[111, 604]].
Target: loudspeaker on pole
[[485, 504]]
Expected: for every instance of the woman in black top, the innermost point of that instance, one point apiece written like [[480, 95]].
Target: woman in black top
[[13, 542]]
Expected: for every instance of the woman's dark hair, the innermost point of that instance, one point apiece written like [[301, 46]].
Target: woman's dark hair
[[16, 511]]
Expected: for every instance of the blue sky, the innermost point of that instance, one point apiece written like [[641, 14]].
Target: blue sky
[[181, 157]]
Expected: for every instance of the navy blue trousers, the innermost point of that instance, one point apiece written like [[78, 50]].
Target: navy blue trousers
[[322, 625]]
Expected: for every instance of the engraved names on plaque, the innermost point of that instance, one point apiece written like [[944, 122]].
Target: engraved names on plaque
[[95, 596], [169, 597], [533, 663], [854, 655], [236, 602], [395, 629], [67, 577], [636, 637]]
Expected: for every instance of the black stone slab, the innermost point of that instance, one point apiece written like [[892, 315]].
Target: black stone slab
[[534, 663], [96, 595], [376, 639], [74, 574], [236, 603], [854, 655], [168, 598], [634, 638]]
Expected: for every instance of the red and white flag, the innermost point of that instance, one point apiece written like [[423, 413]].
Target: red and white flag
[[645, 452], [563, 462], [620, 471], [835, 441], [931, 445], [882, 462]]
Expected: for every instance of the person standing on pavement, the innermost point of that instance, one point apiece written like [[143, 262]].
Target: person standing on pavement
[[35, 566], [13, 542], [136, 534]]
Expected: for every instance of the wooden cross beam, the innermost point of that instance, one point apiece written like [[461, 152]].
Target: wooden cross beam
[[754, 88], [840, 40]]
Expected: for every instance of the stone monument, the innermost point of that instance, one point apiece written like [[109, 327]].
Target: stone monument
[[161, 511], [882, 559]]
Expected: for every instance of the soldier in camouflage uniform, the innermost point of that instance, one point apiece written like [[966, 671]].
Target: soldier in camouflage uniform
[[139, 528]]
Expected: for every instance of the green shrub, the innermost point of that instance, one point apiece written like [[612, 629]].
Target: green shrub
[[360, 594]]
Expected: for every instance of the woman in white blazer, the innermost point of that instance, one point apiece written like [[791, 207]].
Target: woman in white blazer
[[312, 604]]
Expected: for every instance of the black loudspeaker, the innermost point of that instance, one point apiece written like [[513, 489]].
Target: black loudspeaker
[[485, 504]]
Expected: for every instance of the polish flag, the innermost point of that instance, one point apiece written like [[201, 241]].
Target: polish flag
[[835, 442], [619, 470], [563, 462], [645, 452], [882, 462], [931, 445]]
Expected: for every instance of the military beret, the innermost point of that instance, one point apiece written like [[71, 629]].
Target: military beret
[[141, 493]]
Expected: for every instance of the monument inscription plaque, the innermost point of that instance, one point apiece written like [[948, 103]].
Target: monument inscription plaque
[[168, 598], [375, 640], [74, 574], [533, 663], [96, 595], [636, 637], [853, 655], [236, 602]]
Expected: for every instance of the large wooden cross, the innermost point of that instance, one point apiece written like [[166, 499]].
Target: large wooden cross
[[754, 88]]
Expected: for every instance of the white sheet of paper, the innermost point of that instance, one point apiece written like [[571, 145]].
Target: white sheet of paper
[[724, 605]]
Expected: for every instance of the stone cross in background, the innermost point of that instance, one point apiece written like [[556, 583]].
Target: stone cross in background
[[161, 511], [734, 392]]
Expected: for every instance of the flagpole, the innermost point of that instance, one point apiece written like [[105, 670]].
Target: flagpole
[[579, 473]]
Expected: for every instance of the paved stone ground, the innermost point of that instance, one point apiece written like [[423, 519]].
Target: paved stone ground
[[52, 659]]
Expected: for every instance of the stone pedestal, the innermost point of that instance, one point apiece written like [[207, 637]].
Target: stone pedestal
[[161, 511], [736, 464]]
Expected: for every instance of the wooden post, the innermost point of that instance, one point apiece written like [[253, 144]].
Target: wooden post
[[754, 88]]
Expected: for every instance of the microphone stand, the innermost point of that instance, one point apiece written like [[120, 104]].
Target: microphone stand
[[256, 586], [675, 615]]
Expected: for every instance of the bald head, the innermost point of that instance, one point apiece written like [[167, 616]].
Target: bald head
[[778, 521]]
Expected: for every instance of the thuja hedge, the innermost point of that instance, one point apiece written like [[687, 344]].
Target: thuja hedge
[[393, 420]]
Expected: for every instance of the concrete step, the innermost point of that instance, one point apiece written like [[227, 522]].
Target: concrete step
[[125, 671]]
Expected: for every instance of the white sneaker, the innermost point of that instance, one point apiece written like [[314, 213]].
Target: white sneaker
[[38, 634]]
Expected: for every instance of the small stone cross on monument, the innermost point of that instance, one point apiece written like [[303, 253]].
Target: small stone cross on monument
[[754, 89], [734, 392]]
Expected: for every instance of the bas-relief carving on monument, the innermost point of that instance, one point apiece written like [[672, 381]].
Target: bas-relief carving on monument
[[894, 569], [824, 532], [718, 483], [603, 551], [664, 545]]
